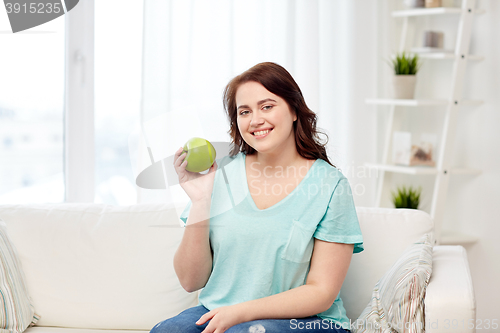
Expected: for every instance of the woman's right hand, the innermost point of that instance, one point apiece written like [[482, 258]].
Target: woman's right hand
[[196, 185]]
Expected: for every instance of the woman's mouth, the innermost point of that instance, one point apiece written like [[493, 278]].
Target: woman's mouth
[[261, 134]]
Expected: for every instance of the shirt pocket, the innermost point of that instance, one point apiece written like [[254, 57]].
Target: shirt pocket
[[300, 243]]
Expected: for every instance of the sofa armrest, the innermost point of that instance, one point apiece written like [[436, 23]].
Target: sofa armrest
[[450, 305]]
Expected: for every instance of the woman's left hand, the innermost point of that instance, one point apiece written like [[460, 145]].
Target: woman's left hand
[[222, 318]]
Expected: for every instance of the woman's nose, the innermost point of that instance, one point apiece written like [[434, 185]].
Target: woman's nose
[[256, 119]]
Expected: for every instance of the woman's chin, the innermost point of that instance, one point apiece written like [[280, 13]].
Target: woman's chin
[[265, 149]]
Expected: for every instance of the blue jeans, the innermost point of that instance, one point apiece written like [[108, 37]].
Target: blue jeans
[[184, 322]]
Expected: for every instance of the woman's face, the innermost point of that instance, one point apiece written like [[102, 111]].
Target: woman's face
[[259, 109]]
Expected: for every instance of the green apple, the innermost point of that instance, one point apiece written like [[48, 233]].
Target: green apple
[[200, 154]]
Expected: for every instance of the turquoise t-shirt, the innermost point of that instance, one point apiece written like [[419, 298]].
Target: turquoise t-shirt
[[259, 253]]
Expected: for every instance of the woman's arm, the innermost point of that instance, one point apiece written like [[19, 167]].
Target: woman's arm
[[193, 258], [329, 265]]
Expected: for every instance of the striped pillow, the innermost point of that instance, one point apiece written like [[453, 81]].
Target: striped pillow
[[397, 303], [16, 311]]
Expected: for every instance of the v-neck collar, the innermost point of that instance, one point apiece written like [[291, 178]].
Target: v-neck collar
[[296, 189]]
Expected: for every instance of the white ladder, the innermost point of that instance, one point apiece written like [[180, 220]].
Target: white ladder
[[443, 169]]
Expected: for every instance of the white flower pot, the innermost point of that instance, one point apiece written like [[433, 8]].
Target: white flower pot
[[404, 86]]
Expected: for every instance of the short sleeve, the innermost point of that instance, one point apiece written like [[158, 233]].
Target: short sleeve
[[340, 223], [185, 213]]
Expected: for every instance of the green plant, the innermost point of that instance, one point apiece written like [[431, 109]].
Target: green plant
[[406, 198], [404, 64]]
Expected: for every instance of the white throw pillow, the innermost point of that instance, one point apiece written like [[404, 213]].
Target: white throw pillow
[[16, 311], [397, 303], [98, 266]]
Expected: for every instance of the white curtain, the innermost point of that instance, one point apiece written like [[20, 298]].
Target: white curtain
[[192, 48]]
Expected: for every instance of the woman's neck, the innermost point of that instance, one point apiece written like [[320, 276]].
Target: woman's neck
[[280, 159]]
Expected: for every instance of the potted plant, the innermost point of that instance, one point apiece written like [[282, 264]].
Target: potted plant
[[405, 69], [406, 198]]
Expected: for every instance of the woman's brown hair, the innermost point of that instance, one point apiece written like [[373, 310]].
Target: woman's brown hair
[[277, 80]]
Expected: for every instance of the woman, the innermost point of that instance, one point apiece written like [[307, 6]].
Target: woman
[[270, 239]]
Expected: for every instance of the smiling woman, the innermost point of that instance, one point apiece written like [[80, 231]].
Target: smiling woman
[[266, 95], [259, 119], [277, 258]]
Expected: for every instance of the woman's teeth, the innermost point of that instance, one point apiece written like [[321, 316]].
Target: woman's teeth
[[261, 133]]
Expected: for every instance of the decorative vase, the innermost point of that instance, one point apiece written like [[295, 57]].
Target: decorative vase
[[404, 86], [433, 39]]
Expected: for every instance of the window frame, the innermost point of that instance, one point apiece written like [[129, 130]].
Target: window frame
[[79, 159]]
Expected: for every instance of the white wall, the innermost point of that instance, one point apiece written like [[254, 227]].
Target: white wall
[[473, 201]]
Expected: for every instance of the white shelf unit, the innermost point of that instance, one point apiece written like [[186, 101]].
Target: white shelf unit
[[447, 55], [420, 170], [451, 105], [420, 102], [437, 11]]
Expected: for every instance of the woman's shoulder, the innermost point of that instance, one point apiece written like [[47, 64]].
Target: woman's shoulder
[[325, 170]]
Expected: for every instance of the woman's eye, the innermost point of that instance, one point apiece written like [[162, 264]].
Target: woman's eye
[[242, 113], [267, 107]]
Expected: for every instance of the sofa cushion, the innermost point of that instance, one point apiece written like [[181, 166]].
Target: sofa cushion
[[16, 310], [387, 232], [450, 298], [397, 302], [49, 329], [98, 266]]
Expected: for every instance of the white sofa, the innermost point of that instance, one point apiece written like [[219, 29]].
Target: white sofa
[[92, 267]]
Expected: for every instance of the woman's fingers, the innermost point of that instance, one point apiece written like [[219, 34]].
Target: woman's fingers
[[179, 157], [178, 152], [213, 167]]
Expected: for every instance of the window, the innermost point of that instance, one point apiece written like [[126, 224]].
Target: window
[[117, 74], [31, 113]]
